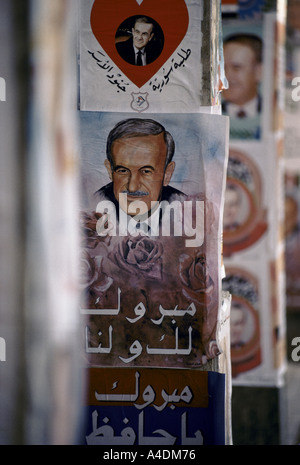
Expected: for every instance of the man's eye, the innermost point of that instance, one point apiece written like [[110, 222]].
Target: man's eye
[[147, 171], [121, 171]]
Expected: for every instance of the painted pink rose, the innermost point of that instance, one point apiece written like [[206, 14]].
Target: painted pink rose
[[89, 223], [194, 274], [91, 274], [140, 255]]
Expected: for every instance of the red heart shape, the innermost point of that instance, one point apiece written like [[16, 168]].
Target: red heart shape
[[171, 15]]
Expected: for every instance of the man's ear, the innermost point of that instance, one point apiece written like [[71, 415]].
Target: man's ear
[[168, 173], [108, 167]]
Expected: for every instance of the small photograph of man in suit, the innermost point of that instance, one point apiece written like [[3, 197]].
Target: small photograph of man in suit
[[243, 69], [139, 40], [232, 207]]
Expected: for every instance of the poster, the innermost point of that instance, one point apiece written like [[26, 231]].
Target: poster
[[292, 73], [257, 320], [245, 332], [151, 238], [292, 238], [254, 62], [243, 60], [155, 407], [245, 219], [292, 107], [177, 71]]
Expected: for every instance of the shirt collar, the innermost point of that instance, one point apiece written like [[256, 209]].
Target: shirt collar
[[148, 227], [136, 50], [250, 108]]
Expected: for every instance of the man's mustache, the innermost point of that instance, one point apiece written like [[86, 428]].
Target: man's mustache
[[135, 193]]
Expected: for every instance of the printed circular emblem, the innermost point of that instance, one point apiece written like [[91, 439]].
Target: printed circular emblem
[[245, 342], [244, 216]]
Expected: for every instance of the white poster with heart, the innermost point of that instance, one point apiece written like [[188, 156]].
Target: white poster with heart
[[145, 55]]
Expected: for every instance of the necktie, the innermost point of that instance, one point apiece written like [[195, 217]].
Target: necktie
[[139, 59]]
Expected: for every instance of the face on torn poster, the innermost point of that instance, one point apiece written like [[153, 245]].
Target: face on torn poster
[[245, 212], [245, 338], [243, 63], [137, 55], [152, 190]]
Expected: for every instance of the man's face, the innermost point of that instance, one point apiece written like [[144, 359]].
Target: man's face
[[243, 73], [142, 34], [231, 207], [237, 325], [139, 170]]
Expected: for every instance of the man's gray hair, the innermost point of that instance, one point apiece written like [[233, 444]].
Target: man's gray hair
[[137, 127]]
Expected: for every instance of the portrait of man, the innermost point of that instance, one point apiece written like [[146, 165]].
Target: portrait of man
[[244, 338], [292, 239], [232, 206], [243, 70], [140, 166], [143, 45], [129, 275], [238, 321]]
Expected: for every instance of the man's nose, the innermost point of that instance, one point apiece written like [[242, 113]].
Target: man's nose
[[133, 182]]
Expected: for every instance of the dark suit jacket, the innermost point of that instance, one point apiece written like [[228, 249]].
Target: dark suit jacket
[[126, 51], [169, 193], [258, 108]]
